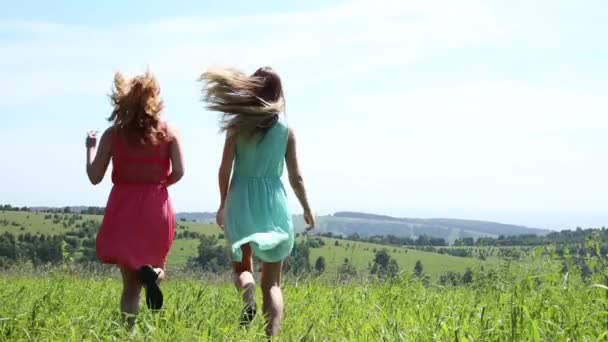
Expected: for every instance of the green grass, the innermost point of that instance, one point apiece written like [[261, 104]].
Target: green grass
[[525, 303], [34, 223], [360, 254], [201, 228], [181, 251]]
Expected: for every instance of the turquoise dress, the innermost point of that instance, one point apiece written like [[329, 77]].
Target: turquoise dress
[[256, 207]]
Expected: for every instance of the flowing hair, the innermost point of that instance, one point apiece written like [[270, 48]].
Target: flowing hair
[[250, 105], [137, 108]]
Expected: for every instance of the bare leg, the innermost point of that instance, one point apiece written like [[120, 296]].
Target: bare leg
[[273, 297], [129, 301], [244, 282]]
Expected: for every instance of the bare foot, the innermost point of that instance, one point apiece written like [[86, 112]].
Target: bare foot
[[161, 273]]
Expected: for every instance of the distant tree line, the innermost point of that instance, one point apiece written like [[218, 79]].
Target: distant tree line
[[93, 211], [554, 238], [8, 207], [573, 240], [60, 210], [390, 240], [186, 234]]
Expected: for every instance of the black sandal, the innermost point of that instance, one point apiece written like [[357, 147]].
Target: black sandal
[[154, 296], [248, 314]]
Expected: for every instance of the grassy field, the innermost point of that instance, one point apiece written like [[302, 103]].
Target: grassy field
[[31, 222], [360, 254], [506, 301], [526, 303], [181, 251]]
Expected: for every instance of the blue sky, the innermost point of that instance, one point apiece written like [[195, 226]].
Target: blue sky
[[490, 110]]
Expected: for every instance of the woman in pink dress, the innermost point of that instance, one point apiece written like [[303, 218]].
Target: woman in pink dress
[[139, 223]]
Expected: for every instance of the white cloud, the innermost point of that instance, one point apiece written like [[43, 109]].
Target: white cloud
[[442, 147], [342, 40]]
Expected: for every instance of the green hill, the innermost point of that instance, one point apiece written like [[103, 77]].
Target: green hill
[[365, 225], [360, 254], [19, 222]]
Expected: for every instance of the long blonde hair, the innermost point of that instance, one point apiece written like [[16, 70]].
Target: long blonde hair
[[137, 108], [250, 105]]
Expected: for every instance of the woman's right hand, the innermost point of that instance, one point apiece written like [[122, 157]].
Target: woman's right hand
[[219, 217], [309, 218], [91, 140]]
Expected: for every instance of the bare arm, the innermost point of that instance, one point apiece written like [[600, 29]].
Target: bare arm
[[224, 177], [226, 169], [98, 160], [177, 160], [296, 180]]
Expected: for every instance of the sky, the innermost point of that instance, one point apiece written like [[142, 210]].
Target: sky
[[493, 110]]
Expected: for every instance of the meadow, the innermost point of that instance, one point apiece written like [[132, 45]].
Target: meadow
[[518, 302], [543, 294], [334, 251], [361, 255]]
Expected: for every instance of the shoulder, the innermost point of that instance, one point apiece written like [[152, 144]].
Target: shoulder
[[106, 141], [107, 135], [172, 131], [282, 127], [281, 123], [109, 132]]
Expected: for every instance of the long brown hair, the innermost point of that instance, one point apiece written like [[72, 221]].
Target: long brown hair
[[250, 105], [137, 108]]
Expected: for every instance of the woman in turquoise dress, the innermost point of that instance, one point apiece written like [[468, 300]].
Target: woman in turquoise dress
[[253, 211]]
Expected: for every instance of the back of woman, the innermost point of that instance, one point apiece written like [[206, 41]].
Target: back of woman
[[262, 157], [140, 164], [138, 225], [253, 208], [257, 211]]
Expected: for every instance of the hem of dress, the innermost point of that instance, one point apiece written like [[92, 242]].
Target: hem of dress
[[236, 247], [126, 264]]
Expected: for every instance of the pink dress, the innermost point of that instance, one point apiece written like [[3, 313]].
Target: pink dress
[[139, 223]]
